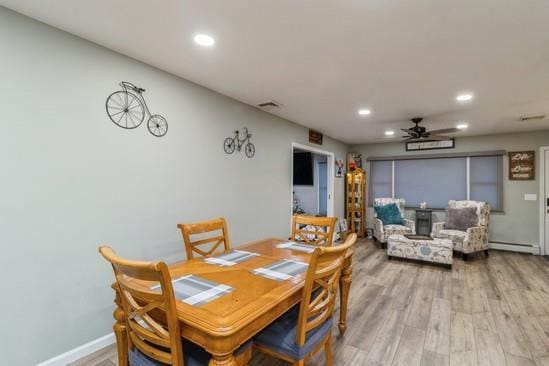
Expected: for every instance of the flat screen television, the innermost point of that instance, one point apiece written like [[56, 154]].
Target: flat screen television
[[303, 169]]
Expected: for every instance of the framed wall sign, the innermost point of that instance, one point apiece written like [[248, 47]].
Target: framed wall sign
[[430, 145], [315, 137], [522, 165]]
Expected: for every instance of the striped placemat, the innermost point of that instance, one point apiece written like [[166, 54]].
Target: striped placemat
[[296, 246], [231, 258], [281, 270], [196, 291]]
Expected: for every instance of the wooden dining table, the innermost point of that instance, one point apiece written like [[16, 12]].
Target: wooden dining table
[[222, 325]]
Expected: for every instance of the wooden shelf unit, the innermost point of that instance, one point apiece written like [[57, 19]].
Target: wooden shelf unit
[[355, 201]]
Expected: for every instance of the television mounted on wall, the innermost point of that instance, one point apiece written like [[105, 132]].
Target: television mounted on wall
[[303, 169]]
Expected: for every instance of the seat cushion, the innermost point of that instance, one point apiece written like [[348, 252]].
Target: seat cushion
[[396, 229], [456, 236], [452, 234], [193, 355], [280, 335], [389, 214]]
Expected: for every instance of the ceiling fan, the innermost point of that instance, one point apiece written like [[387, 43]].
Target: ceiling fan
[[420, 133]]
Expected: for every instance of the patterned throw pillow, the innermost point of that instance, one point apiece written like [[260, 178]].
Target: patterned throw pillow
[[461, 218], [389, 214]]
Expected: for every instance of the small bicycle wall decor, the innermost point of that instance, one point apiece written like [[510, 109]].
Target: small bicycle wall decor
[[127, 109], [232, 143]]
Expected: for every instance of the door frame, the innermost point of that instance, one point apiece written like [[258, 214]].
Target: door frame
[[330, 171], [543, 246]]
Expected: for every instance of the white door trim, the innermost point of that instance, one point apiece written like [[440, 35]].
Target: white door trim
[[543, 246], [330, 169]]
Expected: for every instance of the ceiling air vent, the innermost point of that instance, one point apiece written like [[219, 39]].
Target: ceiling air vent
[[532, 118], [271, 104]]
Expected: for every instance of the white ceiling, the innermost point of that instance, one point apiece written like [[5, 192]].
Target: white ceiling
[[325, 59]]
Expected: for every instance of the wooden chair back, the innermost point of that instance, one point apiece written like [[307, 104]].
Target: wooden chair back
[[218, 227], [161, 342], [322, 234], [323, 274]]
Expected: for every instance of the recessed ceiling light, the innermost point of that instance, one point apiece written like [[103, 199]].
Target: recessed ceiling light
[[364, 112], [389, 133], [462, 126], [464, 97], [204, 40]]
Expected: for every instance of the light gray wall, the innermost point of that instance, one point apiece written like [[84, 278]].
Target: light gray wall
[[72, 180], [520, 222]]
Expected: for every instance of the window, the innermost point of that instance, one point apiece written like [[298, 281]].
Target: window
[[486, 183], [438, 179], [381, 179], [435, 181]]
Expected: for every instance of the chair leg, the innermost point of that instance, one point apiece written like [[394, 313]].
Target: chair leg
[[328, 351], [464, 257], [486, 254], [299, 363]]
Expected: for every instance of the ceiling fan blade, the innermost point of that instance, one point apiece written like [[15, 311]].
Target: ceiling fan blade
[[445, 130], [407, 130], [414, 140], [439, 137]]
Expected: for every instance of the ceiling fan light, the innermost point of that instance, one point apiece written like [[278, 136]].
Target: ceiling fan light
[[389, 133], [364, 112]]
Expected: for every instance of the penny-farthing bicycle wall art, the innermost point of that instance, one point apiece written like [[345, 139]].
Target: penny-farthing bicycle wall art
[[127, 109]]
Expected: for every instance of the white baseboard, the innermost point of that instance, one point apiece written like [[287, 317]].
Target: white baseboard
[[515, 248], [80, 351]]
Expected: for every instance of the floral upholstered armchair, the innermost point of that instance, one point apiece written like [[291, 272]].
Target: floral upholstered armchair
[[382, 232], [475, 238]]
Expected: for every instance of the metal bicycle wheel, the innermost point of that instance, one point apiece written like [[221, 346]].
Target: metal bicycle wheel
[[250, 150], [157, 125], [125, 109], [229, 145]]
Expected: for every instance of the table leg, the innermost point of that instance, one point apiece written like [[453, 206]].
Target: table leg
[[222, 360], [344, 288], [120, 331]]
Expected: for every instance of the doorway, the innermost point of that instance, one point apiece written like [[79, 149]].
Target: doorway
[[312, 181], [544, 200]]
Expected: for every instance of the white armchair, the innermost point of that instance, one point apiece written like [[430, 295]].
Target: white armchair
[[381, 232], [475, 239]]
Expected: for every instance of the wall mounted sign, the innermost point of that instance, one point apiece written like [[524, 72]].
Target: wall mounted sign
[[430, 145], [315, 137], [127, 109], [522, 165], [235, 143]]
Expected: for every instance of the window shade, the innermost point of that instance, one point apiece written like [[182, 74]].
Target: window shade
[[435, 181], [381, 176], [486, 180], [438, 178]]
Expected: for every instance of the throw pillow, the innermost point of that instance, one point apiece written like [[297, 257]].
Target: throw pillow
[[461, 218], [389, 214]]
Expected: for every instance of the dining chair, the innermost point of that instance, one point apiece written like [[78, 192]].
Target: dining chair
[[154, 334], [217, 227], [305, 329], [313, 230]]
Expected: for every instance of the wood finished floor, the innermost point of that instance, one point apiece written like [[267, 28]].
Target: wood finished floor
[[486, 311]]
